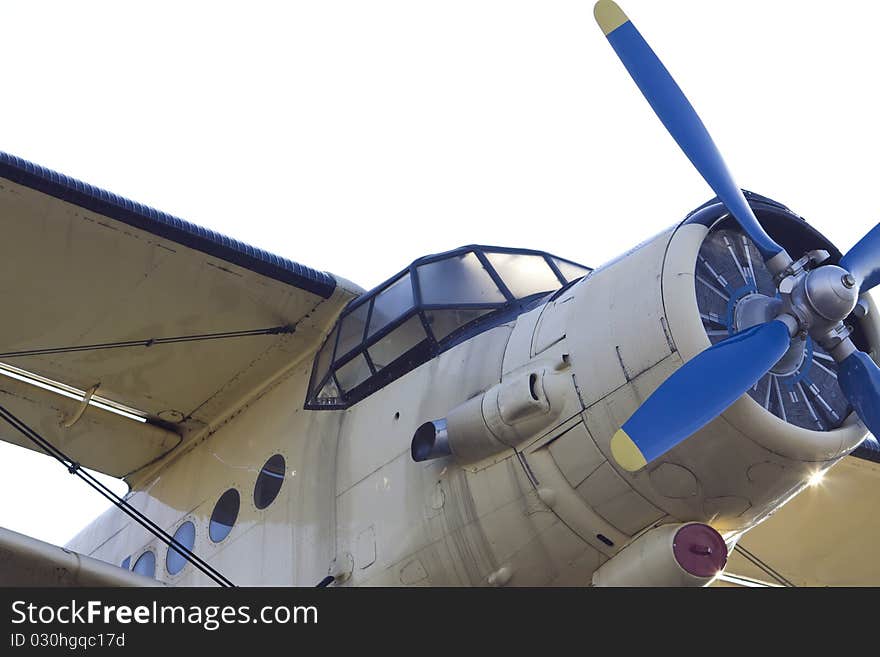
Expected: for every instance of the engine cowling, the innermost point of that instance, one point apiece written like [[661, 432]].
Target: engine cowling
[[632, 323]]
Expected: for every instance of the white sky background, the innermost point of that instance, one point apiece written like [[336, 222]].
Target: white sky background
[[357, 136]]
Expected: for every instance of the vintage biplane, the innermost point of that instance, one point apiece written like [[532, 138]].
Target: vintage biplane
[[486, 416]]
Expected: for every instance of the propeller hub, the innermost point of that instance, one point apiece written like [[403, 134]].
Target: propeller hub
[[831, 292]]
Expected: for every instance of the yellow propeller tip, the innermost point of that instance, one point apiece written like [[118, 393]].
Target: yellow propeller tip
[[625, 452], [609, 16]]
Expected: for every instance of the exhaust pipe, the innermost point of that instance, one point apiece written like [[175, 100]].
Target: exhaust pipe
[[500, 418], [430, 441]]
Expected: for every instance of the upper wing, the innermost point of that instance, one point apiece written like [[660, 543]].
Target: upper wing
[[82, 267]]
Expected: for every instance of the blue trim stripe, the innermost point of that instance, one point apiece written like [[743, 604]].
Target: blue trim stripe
[[165, 225]]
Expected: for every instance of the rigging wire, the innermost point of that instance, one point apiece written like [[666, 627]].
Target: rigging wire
[[274, 330], [764, 566], [74, 468]]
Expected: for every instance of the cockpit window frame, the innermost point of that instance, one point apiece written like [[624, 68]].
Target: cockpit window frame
[[430, 346]]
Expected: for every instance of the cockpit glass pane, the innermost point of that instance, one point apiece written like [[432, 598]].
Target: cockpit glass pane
[[391, 303], [425, 310], [524, 275], [455, 280], [328, 393], [570, 270], [353, 373], [351, 331], [398, 342], [444, 322], [323, 360]]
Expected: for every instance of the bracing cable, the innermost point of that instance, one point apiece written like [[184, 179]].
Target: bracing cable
[[74, 468], [764, 566], [149, 342]]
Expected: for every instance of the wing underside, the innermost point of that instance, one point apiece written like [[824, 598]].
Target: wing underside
[[123, 306]]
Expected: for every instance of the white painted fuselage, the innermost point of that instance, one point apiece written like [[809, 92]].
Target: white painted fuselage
[[547, 507]]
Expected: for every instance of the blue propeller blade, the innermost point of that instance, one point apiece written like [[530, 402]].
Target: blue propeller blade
[[859, 378], [698, 392], [863, 260], [680, 119]]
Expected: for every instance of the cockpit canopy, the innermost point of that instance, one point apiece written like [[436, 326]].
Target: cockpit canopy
[[430, 306]]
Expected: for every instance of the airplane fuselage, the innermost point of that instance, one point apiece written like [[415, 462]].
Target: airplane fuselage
[[529, 494]]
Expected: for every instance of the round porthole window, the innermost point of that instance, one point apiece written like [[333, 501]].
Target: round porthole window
[[269, 482], [146, 564], [186, 536], [224, 515]]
